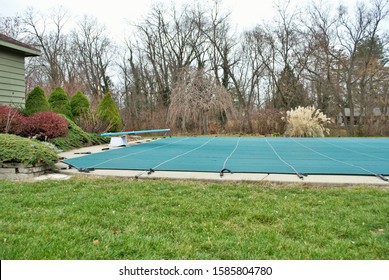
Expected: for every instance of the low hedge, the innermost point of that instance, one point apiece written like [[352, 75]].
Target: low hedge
[[11, 120], [58, 129], [45, 125], [23, 150], [42, 125]]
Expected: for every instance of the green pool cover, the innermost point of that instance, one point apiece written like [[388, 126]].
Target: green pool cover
[[301, 156]]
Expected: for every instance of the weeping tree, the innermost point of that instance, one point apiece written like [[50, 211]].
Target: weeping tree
[[196, 100]]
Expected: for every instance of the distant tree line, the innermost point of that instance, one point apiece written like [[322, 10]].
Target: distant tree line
[[335, 59]]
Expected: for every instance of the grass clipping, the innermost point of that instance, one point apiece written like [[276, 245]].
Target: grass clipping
[[306, 122]]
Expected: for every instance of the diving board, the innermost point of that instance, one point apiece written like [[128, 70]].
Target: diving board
[[122, 140], [135, 132]]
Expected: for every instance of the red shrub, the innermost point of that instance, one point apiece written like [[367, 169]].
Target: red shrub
[[46, 125], [11, 120]]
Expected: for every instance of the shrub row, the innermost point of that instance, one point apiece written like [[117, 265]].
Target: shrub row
[[78, 109], [58, 102], [41, 125]]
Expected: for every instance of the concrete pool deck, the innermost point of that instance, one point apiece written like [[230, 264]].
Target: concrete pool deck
[[290, 178]]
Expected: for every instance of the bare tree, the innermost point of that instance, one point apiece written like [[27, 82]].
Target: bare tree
[[353, 32], [12, 27], [170, 40], [135, 94], [48, 35], [247, 79], [281, 50], [167, 41], [94, 54], [319, 72]]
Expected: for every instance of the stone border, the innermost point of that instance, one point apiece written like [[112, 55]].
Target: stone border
[[20, 171]]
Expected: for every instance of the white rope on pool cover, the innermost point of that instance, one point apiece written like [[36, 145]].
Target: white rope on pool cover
[[173, 158], [139, 152], [364, 154], [301, 176], [229, 156], [343, 162]]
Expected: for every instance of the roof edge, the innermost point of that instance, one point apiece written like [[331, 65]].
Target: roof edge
[[16, 45]]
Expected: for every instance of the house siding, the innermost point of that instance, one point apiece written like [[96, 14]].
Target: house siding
[[12, 81]]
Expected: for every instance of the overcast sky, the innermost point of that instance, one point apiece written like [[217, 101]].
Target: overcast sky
[[115, 14]]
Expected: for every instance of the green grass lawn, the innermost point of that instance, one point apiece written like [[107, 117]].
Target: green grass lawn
[[100, 218]]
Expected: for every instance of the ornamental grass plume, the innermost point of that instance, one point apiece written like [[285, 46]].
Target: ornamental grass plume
[[306, 122]]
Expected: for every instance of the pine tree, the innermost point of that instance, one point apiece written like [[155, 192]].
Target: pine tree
[[108, 112], [59, 102], [36, 102], [79, 104], [290, 91]]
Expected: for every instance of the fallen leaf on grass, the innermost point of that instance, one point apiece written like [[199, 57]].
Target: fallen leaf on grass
[[96, 242]]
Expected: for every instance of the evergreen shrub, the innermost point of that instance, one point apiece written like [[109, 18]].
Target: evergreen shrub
[[36, 102], [108, 112], [22, 150], [79, 104], [59, 102], [77, 138]]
